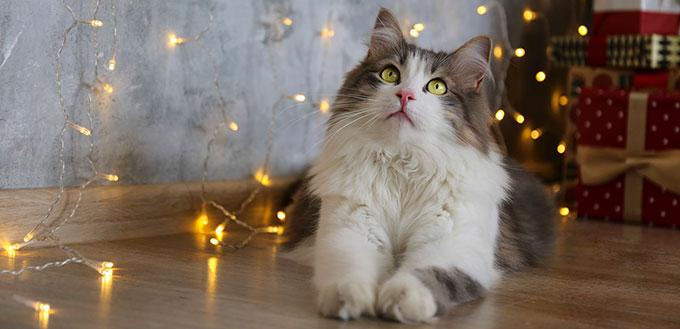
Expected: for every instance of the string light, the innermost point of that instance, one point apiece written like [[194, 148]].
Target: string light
[[214, 241], [419, 27], [561, 147], [519, 118], [563, 100], [414, 33], [564, 211], [529, 15], [498, 51], [107, 87], [233, 126], [108, 177], [79, 128], [582, 30], [324, 106], [500, 114], [281, 215], [93, 22], [287, 21], [112, 64], [34, 304], [520, 52], [299, 98], [481, 10], [536, 133], [327, 33], [540, 76]]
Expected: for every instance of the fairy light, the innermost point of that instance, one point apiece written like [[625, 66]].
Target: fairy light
[[419, 27], [109, 177], [563, 100], [233, 126], [324, 106], [174, 40], [500, 114], [414, 33], [107, 87], [564, 211], [220, 229], [529, 15], [582, 30], [214, 241], [299, 98], [520, 52], [327, 33], [540, 76], [519, 118], [93, 22], [79, 128], [281, 215], [481, 10], [561, 147], [498, 51], [112, 64], [287, 21], [536, 133]]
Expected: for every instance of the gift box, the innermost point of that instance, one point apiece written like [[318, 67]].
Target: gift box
[[634, 51], [613, 17], [629, 155]]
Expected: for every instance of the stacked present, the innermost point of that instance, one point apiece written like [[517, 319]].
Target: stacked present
[[624, 122]]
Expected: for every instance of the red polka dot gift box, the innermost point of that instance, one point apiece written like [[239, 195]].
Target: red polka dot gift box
[[629, 155]]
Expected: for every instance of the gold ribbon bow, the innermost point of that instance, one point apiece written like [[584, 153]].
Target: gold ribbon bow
[[599, 165]]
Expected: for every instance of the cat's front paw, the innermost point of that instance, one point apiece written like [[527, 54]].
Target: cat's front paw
[[347, 301], [405, 299]]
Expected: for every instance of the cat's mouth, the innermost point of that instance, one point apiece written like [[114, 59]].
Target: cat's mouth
[[401, 115]]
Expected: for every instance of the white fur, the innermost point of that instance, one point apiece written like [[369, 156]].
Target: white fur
[[396, 198]]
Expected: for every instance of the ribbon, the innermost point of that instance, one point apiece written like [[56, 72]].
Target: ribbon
[[601, 164]]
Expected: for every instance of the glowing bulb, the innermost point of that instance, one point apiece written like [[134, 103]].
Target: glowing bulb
[[500, 114], [29, 236], [107, 264], [43, 307], [582, 30], [281, 215], [561, 147], [564, 211], [203, 219], [106, 272], [79, 128], [261, 177], [233, 126], [94, 22], [481, 10], [175, 40], [214, 241], [112, 64], [540, 76], [414, 33], [519, 52], [300, 97], [219, 229], [324, 106], [107, 87], [418, 27], [287, 21], [109, 177], [556, 188], [563, 100], [519, 118], [536, 133], [327, 33], [529, 15], [498, 51], [273, 229]]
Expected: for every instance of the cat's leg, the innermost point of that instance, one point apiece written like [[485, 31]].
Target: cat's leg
[[446, 263], [348, 261]]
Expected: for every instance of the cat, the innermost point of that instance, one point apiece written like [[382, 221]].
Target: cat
[[410, 207]]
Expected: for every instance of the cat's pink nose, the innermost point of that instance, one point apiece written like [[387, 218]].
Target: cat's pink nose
[[405, 96]]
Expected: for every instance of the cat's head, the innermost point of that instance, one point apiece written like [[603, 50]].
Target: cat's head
[[402, 93]]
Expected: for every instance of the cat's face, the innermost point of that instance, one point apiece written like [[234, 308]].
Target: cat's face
[[402, 93]]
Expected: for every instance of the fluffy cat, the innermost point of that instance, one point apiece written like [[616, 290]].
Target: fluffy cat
[[410, 207]]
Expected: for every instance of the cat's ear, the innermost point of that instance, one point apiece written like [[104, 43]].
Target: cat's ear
[[386, 34], [472, 62]]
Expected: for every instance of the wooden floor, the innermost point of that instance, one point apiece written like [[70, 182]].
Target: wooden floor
[[604, 276]]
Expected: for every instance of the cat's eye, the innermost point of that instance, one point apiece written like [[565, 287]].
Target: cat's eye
[[436, 87], [390, 74]]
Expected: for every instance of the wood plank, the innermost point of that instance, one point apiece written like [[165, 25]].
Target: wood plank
[[603, 276], [114, 212]]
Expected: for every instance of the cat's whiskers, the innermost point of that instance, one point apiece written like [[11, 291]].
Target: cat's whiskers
[[327, 139]]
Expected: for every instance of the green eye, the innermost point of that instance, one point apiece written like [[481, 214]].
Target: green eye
[[390, 74], [436, 87]]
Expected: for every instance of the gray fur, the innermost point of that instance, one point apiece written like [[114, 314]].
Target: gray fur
[[450, 286]]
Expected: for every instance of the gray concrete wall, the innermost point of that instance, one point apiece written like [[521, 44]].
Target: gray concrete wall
[[154, 127]]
